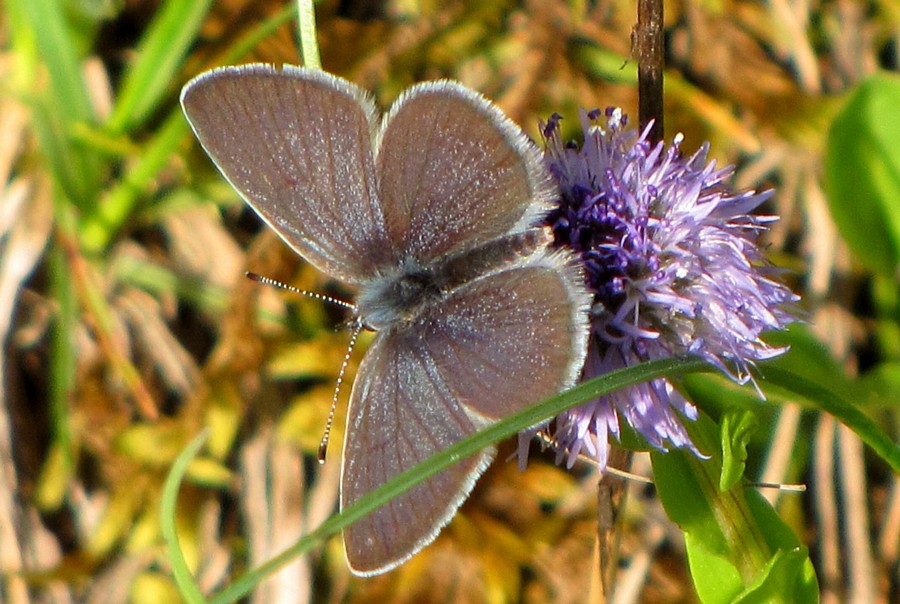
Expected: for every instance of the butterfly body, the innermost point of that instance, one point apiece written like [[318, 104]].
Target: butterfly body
[[431, 213], [400, 295], [396, 298]]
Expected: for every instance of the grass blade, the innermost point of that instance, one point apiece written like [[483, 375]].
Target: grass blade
[[464, 448], [159, 55], [183, 577]]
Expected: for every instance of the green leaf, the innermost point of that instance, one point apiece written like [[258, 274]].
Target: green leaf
[[737, 427], [708, 563], [790, 571], [738, 548], [778, 581], [725, 547], [862, 173]]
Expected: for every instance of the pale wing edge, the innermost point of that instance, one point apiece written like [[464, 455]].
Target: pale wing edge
[[486, 457]]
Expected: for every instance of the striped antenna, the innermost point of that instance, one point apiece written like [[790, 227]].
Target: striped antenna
[[297, 290], [357, 328], [323, 444]]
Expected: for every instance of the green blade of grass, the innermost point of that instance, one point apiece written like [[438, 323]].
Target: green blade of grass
[[462, 449], [76, 168], [58, 51], [844, 412], [101, 225], [159, 54], [62, 358], [183, 576]]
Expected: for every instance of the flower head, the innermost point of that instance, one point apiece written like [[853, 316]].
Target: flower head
[[671, 256]]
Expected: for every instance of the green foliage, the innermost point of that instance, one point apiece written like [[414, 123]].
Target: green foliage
[[862, 173], [737, 426], [738, 548]]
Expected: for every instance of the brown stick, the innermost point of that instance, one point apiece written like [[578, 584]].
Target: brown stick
[[647, 43], [648, 49]]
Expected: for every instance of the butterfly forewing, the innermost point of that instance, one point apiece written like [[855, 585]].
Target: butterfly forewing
[[454, 172], [401, 412], [297, 145]]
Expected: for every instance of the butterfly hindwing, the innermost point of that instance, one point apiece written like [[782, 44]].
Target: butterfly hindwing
[[512, 338], [401, 412], [488, 349]]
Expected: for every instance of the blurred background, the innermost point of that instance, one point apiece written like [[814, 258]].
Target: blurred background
[[129, 327]]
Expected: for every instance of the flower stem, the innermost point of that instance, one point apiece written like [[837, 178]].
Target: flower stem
[[648, 48], [309, 47]]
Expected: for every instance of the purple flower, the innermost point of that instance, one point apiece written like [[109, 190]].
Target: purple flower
[[671, 255]]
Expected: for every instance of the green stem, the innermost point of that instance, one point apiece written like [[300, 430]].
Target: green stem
[[468, 446], [309, 47]]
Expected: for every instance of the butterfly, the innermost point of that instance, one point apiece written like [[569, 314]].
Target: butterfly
[[431, 213]]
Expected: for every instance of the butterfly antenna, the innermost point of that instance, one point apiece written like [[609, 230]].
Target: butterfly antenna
[[302, 292], [357, 327], [323, 444], [789, 488]]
